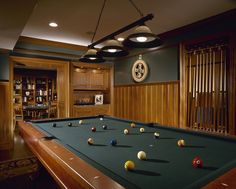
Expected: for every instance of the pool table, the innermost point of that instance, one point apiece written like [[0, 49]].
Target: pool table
[[61, 146]]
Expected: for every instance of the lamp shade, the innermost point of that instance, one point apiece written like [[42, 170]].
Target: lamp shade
[[142, 38], [91, 56], [113, 48]]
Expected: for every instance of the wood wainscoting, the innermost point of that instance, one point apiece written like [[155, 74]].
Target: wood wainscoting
[[6, 130], [156, 102]]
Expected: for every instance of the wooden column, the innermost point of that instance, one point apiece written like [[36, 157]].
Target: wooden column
[[6, 125]]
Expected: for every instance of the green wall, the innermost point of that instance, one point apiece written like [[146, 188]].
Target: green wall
[[4, 67], [163, 66], [164, 63]]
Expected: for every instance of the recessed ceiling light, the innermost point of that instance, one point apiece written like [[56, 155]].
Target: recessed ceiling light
[[53, 24], [121, 39]]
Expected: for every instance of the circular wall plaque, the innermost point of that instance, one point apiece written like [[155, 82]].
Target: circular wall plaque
[[139, 70]]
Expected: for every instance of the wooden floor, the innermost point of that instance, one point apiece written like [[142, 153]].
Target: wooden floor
[[22, 177]]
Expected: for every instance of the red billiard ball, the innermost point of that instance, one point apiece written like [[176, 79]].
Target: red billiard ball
[[197, 162], [93, 129]]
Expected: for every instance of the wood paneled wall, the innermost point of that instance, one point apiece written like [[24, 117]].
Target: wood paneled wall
[[157, 102], [6, 128]]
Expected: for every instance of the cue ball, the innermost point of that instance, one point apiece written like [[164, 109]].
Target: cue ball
[[104, 127], [70, 124], [197, 162], [141, 130], [156, 135], [93, 129], [142, 155], [126, 131], [113, 142], [80, 122], [133, 125], [129, 165], [90, 141], [101, 118], [54, 124], [181, 143]]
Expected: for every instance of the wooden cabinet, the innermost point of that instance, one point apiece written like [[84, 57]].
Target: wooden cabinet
[[90, 79], [89, 82]]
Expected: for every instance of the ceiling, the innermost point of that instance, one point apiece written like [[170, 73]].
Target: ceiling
[[77, 18]]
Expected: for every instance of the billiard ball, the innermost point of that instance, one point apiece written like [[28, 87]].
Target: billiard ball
[[126, 131], [69, 124], [181, 143], [90, 141], [54, 124], [132, 125], [101, 118], [113, 142], [80, 122], [104, 127], [142, 155], [129, 165], [197, 162], [93, 129], [141, 130], [156, 135]]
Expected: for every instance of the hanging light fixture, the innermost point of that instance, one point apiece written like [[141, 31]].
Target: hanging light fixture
[[142, 38], [113, 48], [92, 56]]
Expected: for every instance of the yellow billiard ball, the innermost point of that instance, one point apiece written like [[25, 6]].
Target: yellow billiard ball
[[133, 125], [142, 155], [181, 143], [129, 165], [126, 131], [80, 122], [142, 130]]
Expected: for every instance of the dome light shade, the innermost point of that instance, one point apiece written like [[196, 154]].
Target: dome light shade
[[91, 56], [142, 38], [113, 48]]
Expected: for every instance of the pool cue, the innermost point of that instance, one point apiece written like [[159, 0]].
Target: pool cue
[[226, 90], [206, 91], [211, 90], [197, 91]]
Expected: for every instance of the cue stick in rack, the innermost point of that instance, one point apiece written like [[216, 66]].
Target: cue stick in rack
[[207, 91], [189, 112], [226, 90], [194, 90], [213, 89], [220, 91], [203, 90], [217, 89], [200, 89], [196, 101]]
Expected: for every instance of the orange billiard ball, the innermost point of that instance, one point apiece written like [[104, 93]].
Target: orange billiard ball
[[132, 125]]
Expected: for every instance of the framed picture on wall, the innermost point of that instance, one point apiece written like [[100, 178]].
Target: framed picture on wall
[[99, 99]]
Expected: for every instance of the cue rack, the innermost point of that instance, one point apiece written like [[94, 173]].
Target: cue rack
[[207, 85]]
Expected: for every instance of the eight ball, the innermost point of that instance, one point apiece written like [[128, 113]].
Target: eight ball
[[54, 124], [69, 124], [104, 127]]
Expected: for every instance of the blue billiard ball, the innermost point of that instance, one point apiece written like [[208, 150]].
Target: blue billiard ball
[[104, 127], [113, 142]]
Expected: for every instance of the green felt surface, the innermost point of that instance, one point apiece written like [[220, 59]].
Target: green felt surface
[[167, 165]]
